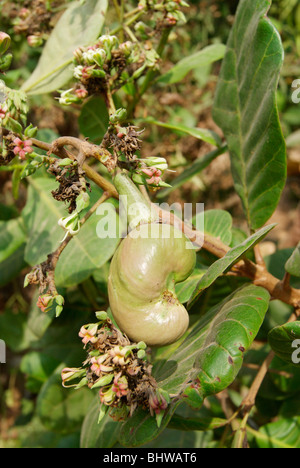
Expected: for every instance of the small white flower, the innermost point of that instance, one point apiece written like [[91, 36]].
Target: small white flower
[[64, 99], [71, 224], [78, 72], [109, 41]]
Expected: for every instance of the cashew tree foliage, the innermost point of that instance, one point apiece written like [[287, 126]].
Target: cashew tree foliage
[[139, 327]]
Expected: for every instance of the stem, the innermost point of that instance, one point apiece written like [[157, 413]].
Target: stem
[[117, 7], [130, 21], [257, 273], [150, 75], [258, 256], [61, 152], [130, 34], [249, 400], [109, 101], [54, 257]]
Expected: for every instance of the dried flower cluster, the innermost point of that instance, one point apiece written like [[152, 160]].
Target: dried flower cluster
[[119, 370], [126, 142], [7, 147], [72, 183]]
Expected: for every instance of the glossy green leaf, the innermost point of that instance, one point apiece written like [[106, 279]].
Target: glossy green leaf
[[292, 266], [93, 120], [216, 223], [212, 353], [84, 254], [80, 25], [196, 168], [245, 109], [284, 433], [204, 57], [98, 435], [225, 263], [285, 342]]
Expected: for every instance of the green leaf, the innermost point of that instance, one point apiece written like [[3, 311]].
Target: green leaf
[[85, 252], [245, 109], [283, 340], [141, 428], [204, 57], [198, 166], [185, 289], [94, 435], [93, 120], [60, 409], [286, 377], [217, 223], [212, 352], [284, 433], [38, 367], [172, 439], [200, 133], [12, 236], [292, 266], [225, 263], [14, 330], [16, 179], [195, 424], [12, 246], [34, 435], [80, 25]]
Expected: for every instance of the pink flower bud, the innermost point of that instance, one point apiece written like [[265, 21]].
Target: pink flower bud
[[2, 113], [44, 302], [4, 42], [22, 147], [34, 41]]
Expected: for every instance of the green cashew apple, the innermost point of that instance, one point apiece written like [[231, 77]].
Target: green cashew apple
[[142, 278]]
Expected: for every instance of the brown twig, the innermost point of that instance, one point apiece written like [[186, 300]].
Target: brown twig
[[50, 264], [249, 400], [256, 272], [60, 151]]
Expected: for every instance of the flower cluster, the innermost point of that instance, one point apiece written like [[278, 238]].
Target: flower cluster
[[118, 369], [46, 301], [3, 112], [72, 186], [22, 148], [107, 60], [149, 172]]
